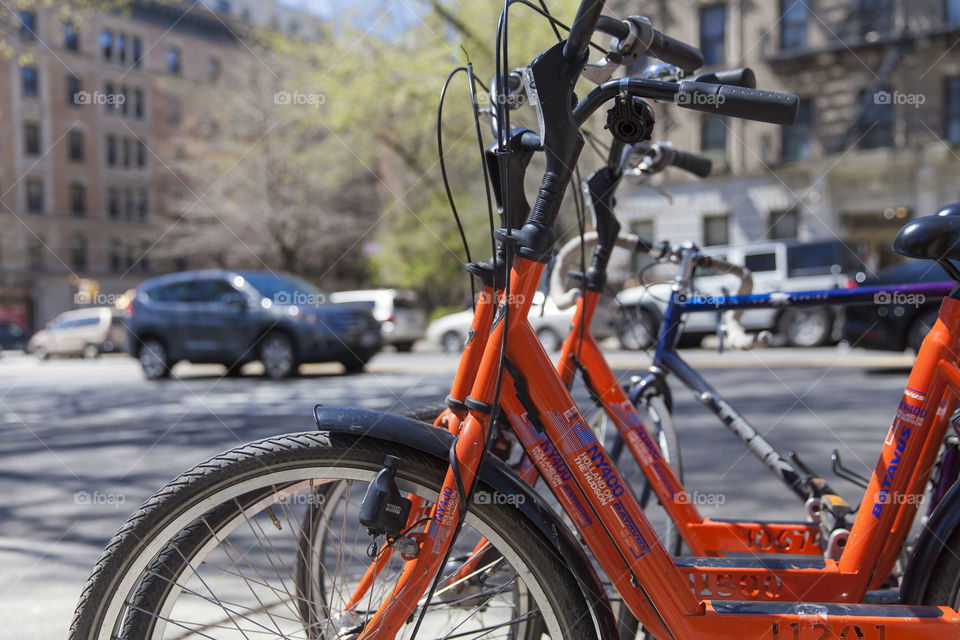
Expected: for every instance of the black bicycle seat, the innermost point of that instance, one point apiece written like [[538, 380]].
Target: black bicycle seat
[[932, 237]]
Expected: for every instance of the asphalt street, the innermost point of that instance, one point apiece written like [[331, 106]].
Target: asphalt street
[[85, 442]]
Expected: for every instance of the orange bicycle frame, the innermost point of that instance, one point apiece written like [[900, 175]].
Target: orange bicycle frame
[[625, 545]]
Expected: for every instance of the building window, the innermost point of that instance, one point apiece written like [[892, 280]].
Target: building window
[[78, 200], [106, 44], [116, 255], [143, 204], [78, 252], [793, 24], [34, 188], [35, 250], [875, 17], [137, 52], [28, 25], [75, 146], [123, 98], [126, 152], [109, 104], [173, 60], [31, 138], [784, 225], [128, 211], [141, 154], [716, 230], [713, 134], [30, 82], [113, 203], [121, 48], [213, 69], [223, 6], [73, 91], [875, 123], [138, 103], [953, 110], [712, 27], [71, 37], [795, 140], [111, 151], [174, 112], [145, 265]]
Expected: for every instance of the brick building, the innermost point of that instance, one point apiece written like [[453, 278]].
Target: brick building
[[83, 197], [875, 142]]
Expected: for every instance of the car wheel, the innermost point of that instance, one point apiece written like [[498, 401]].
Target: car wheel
[[354, 363], [921, 327], [153, 360], [638, 329], [404, 347], [451, 342], [549, 339], [278, 356], [806, 327], [91, 351], [41, 353]]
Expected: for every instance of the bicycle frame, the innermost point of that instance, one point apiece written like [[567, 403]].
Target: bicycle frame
[[628, 549], [620, 537]]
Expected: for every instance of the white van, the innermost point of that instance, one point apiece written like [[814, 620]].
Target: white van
[[776, 266], [84, 332]]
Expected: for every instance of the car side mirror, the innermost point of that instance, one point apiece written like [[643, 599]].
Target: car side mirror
[[235, 301]]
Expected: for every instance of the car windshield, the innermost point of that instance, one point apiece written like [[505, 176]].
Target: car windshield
[[283, 288]]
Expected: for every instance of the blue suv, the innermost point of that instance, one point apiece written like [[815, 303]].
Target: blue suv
[[235, 317]]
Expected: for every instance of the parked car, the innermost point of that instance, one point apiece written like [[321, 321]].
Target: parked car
[[12, 336], [896, 321], [776, 266], [234, 317], [84, 332], [402, 320], [550, 323]]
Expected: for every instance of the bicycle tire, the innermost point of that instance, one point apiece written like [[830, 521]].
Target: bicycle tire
[[169, 522]]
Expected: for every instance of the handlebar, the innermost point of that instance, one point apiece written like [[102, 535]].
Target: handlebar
[[739, 102], [661, 155], [740, 77], [652, 42]]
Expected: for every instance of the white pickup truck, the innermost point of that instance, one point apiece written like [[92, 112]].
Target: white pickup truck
[[776, 266]]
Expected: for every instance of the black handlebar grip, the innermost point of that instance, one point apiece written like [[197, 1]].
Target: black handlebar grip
[[738, 102], [695, 163], [675, 52], [742, 77]]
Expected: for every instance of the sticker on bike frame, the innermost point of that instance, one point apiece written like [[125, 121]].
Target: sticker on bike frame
[[641, 442], [910, 414], [554, 470], [575, 434], [444, 514]]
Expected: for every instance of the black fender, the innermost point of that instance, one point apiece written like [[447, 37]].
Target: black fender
[[437, 442], [931, 543]]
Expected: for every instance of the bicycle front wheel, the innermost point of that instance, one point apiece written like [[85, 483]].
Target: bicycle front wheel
[[216, 554]]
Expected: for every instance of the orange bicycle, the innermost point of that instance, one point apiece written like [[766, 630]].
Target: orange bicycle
[[217, 552]]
